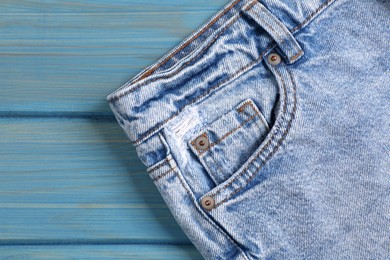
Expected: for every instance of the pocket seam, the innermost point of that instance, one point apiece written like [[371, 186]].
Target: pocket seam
[[159, 165], [176, 171], [198, 207], [240, 109], [270, 140], [164, 173], [149, 71], [226, 135]]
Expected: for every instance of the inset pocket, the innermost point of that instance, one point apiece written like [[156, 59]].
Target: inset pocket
[[226, 143]]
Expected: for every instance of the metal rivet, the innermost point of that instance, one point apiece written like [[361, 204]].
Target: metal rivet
[[274, 59], [201, 142], [208, 202]]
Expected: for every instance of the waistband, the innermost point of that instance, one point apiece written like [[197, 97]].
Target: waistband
[[143, 105]]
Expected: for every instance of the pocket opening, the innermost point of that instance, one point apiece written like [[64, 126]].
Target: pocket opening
[[231, 140]]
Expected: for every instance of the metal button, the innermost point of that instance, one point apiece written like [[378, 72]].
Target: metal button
[[208, 202], [202, 142], [274, 59]]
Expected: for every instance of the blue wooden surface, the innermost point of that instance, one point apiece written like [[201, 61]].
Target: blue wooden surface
[[71, 185]]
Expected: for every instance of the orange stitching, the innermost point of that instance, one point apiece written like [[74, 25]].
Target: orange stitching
[[250, 6], [206, 217], [163, 174], [282, 25], [311, 15], [191, 195], [253, 107], [227, 134], [160, 165], [206, 93], [260, 115], [246, 113], [227, 79], [182, 67], [151, 70], [193, 141], [258, 154], [274, 149], [269, 26], [282, 41], [241, 108], [296, 55]]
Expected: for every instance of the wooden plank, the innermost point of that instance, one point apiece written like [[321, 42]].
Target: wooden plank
[[77, 181], [158, 252], [69, 55]]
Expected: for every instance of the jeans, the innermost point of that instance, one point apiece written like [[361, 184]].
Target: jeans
[[266, 131]]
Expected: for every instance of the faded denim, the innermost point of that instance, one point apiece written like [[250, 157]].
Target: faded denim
[[297, 164]]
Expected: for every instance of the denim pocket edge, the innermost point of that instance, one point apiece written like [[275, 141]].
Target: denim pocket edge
[[287, 107]]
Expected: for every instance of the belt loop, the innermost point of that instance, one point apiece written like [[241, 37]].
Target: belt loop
[[292, 51]]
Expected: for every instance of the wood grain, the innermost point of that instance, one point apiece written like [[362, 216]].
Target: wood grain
[[156, 252], [71, 184], [69, 55], [77, 180]]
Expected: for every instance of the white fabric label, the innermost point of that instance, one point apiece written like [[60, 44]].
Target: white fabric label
[[189, 119]]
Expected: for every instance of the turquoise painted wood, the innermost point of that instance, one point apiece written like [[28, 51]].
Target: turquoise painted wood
[[103, 252], [71, 185], [69, 55], [77, 180]]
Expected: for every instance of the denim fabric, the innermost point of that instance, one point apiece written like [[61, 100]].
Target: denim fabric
[[295, 163]]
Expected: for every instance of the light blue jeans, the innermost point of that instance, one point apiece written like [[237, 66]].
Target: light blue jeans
[[267, 130]]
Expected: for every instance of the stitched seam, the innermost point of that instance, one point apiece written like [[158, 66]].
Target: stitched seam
[[232, 76], [253, 107], [240, 109], [160, 165], [246, 113], [280, 141], [260, 115], [206, 93], [183, 66], [261, 151], [208, 219], [192, 39], [163, 174], [250, 5], [281, 40], [281, 25], [296, 56], [259, 124], [193, 141], [319, 9], [227, 134]]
